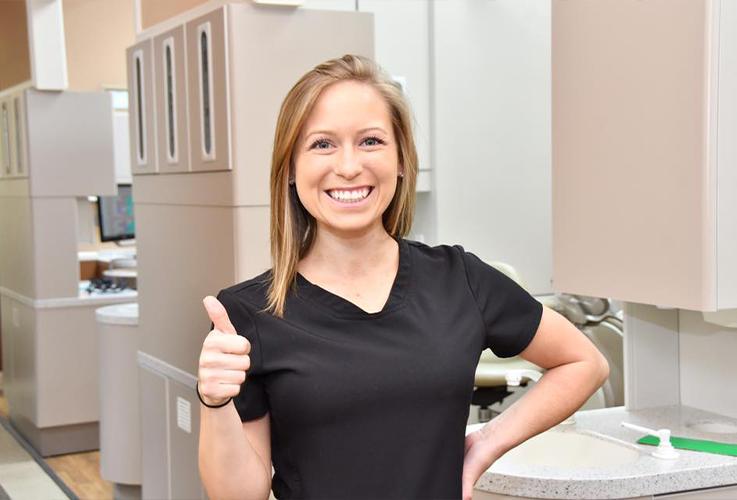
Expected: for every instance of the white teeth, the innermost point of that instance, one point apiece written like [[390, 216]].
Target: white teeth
[[355, 195]]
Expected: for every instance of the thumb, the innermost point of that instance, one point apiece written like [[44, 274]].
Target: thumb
[[218, 315]]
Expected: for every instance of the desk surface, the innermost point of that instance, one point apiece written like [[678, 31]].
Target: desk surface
[[106, 255], [120, 273]]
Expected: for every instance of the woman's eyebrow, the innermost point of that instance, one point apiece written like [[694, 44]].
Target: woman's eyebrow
[[319, 132], [368, 129], [331, 132]]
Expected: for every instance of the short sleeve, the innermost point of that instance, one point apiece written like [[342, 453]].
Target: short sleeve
[[251, 403], [510, 314]]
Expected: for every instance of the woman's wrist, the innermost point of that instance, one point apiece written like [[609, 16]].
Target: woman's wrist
[[493, 442], [209, 404]]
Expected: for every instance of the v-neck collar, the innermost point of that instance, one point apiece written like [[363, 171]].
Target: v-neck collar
[[340, 307]]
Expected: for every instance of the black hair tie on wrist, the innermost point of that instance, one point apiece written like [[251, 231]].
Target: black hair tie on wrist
[[199, 396]]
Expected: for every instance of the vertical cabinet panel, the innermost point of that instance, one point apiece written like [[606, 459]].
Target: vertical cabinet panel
[[208, 93], [142, 108], [171, 101], [20, 138], [13, 156], [183, 425], [5, 138], [154, 434]]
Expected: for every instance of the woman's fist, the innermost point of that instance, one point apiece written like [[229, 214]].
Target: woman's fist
[[224, 357]]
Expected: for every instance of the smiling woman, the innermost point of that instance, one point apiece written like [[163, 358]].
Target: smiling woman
[[344, 161], [352, 360]]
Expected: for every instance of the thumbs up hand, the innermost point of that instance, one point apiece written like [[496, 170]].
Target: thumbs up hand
[[224, 357]]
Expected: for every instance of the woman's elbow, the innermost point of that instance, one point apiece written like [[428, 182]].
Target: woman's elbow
[[602, 369]]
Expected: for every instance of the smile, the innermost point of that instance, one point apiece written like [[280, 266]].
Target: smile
[[350, 195]]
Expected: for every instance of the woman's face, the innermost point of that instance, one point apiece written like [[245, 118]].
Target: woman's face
[[346, 160]]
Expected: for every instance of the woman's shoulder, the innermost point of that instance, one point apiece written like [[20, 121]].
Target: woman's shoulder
[[254, 291], [434, 254]]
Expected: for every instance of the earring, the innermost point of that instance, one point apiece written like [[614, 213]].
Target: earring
[[401, 175], [291, 182]]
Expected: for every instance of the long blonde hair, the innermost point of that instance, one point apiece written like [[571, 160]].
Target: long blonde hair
[[292, 227]]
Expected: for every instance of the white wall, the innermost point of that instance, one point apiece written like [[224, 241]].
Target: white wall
[[491, 140], [707, 365]]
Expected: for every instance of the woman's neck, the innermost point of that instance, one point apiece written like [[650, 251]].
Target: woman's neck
[[355, 255]]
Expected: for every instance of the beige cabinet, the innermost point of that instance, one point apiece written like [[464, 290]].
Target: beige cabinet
[[20, 138], [171, 101], [208, 92], [56, 143], [141, 108], [5, 140], [644, 116]]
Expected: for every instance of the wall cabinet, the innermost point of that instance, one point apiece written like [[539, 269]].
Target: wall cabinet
[[61, 142], [13, 152], [644, 157], [208, 97], [141, 108], [5, 140], [171, 101]]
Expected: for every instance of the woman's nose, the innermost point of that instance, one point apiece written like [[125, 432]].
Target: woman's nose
[[348, 163]]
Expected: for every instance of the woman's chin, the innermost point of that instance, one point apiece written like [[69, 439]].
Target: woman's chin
[[350, 225]]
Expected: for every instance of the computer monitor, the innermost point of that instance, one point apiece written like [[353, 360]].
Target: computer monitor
[[116, 215]]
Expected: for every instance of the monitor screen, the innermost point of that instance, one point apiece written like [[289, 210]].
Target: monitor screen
[[116, 215]]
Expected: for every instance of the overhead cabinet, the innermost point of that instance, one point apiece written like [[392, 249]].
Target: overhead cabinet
[[644, 151], [13, 155], [5, 140], [208, 97], [141, 106], [60, 141], [171, 101]]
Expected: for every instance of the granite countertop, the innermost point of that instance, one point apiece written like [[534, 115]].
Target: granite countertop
[[645, 475]]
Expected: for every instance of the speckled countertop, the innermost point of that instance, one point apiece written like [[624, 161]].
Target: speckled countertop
[[642, 474]]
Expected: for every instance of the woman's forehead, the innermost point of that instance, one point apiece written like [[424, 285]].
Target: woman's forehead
[[349, 105]]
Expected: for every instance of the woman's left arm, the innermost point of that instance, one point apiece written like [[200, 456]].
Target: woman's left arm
[[575, 370]]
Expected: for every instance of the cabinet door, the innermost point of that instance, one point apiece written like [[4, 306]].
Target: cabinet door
[[20, 160], [207, 78], [5, 139], [632, 181], [142, 108], [171, 101]]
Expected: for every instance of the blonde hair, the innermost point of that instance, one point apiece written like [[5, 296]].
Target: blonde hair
[[292, 227]]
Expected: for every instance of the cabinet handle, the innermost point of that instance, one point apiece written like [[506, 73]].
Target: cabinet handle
[[18, 139], [170, 90], [140, 108], [205, 69], [6, 139]]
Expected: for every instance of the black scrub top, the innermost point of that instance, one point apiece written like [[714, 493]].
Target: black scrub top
[[375, 405]]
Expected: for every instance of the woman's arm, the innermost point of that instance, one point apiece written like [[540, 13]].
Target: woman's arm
[[233, 456], [575, 370]]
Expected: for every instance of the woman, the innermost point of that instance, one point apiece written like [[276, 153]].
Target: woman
[[358, 348]]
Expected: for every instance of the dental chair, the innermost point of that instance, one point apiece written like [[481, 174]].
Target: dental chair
[[497, 378]]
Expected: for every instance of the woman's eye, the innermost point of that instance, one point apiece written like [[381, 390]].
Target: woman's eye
[[320, 144], [373, 141]]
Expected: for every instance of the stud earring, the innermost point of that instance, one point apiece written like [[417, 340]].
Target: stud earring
[[291, 182]]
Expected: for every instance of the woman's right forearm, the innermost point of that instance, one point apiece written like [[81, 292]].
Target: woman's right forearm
[[230, 468]]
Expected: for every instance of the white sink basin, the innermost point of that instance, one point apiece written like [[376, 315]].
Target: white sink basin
[[568, 450]]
